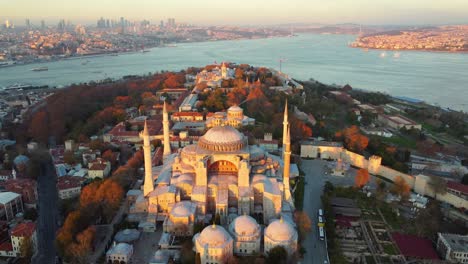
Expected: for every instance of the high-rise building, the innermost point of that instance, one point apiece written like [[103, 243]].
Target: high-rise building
[[28, 23], [43, 25], [161, 24]]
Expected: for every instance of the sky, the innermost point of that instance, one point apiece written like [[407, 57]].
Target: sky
[[242, 12]]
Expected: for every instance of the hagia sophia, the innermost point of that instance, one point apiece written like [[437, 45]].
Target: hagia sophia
[[222, 179]]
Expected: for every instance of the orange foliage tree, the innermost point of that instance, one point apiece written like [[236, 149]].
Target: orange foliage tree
[[362, 178], [400, 187], [353, 139]]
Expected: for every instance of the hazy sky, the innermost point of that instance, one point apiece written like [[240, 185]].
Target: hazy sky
[[242, 11]]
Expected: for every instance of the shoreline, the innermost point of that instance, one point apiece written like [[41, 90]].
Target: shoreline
[[103, 54], [417, 50]]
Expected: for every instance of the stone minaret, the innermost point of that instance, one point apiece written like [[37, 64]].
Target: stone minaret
[[287, 165], [285, 124], [167, 143], [148, 185], [224, 71]]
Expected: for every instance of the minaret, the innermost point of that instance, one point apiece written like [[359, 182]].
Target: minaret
[[223, 71], [285, 123], [167, 143], [148, 185], [287, 165]]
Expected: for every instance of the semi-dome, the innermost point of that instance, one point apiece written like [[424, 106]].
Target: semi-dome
[[222, 138], [280, 230], [244, 225], [214, 235], [182, 209]]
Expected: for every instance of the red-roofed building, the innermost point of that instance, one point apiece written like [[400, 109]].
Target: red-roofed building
[[415, 247], [26, 187], [120, 132], [458, 189], [69, 186], [6, 249], [19, 233], [99, 168]]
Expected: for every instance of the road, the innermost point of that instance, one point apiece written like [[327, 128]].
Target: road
[[316, 252], [316, 174], [47, 211]]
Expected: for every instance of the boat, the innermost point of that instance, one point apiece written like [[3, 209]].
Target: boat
[[396, 55], [84, 62], [383, 54], [40, 69], [144, 51], [18, 86]]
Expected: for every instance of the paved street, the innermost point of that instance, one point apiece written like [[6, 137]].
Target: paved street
[[316, 174], [316, 252], [47, 212]]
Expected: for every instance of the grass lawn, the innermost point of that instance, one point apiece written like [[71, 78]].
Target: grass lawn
[[400, 141], [389, 249]]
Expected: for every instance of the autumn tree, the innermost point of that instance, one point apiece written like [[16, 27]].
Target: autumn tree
[[38, 128], [80, 250], [353, 139], [361, 178], [303, 222], [400, 187]]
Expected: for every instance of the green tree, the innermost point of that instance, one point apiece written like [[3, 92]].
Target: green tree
[[438, 184], [277, 255], [465, 179]]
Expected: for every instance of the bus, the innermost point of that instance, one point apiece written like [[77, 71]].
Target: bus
[[320, 221], [320, 212], [321, 233]]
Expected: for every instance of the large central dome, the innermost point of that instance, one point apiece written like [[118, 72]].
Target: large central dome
[[222, 138]]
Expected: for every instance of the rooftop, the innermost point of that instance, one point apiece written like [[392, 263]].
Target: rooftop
[[6, 197], [24, 229], [455, 241], [415, 247]]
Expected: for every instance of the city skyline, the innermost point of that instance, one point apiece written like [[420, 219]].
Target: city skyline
[[415, 12]]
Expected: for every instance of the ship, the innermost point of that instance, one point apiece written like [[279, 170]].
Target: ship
[[40, 69], [18, 86], [383, 54], [396, 55]]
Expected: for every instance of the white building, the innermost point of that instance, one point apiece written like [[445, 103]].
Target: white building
[[122, 253], [247, 235], [214, 244], [280, 233], [453, 247], [10, 205], [181, 220]]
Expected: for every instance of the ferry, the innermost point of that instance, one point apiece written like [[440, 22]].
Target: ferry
[[40, 69], [383, 54], [18, 86]]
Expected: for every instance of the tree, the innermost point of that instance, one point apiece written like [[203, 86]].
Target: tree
[[465, 179], [303, 222], [400, 187], [439, 185], [362, 178], [69, 157], [353, 139], [277, 255], [38, 128], [381, 185], [428, 220]]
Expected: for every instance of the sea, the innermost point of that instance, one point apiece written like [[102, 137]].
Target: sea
[[435, 77]]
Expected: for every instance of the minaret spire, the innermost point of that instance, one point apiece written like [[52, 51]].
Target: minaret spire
[[167, 144], [287, 165], [148, 184], [285, 123]]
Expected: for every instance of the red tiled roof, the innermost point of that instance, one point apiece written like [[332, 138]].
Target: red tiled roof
[[187, 114], [415, 247], [457, 187], [98, 166], [6, 246], [68, 182], [24, 229], [154, 126]]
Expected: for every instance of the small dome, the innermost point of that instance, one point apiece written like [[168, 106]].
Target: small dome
[[280, 230], [182, 209], [222, 138], [244, 225], [20, 159], [214, 235], [235, 108]]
